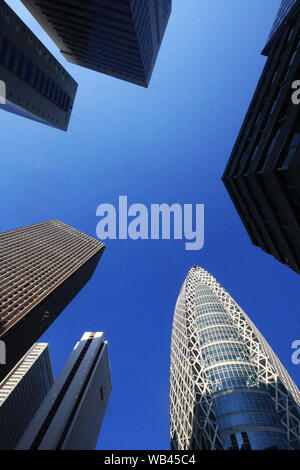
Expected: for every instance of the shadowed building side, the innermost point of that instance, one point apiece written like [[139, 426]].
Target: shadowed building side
[[22, 392], [42, 268], [72, 413], [121, 39], [262, 176], [36, 84], [286, 10]]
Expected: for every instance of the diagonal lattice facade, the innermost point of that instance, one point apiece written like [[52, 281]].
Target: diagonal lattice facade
[[228, 390]]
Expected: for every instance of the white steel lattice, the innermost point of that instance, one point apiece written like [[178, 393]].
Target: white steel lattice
[[192, 421]]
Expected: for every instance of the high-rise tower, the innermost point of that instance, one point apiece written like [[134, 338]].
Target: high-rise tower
[[228, 390], [71, 415], [33, 83], [42, 267], [22, 392], [262, 176], [287, 7], [118, 38]]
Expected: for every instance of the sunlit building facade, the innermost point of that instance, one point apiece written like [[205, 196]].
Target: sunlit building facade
[[71, 415], [42, 267], [228, 390], [118, 38], [22, 392]]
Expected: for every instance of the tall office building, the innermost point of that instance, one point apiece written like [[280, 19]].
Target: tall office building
[[287, 7], [263, 173], [118, 38], [34, 83], [228, 390], [22, 392], [42, 267], [71, 415]]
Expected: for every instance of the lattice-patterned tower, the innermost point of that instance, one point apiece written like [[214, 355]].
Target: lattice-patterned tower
[[228, 390], [42, 268]]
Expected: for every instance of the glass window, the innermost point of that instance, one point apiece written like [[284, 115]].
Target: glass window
[[22, 66], [291, 149], [47, 87], [4, 52], [37, 78], [13, 58], [273, 142], [42, 83], [17, 62], [29, 76]]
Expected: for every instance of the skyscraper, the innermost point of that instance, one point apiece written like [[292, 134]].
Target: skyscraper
[[263, 173], [228, 390], [71, 415], [36, 85], [22, 392], [42, 267], [121, 39], [287, 7]]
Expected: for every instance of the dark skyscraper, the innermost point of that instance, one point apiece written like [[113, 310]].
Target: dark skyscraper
[[42, 268], [71, 415], [286, 8], [228, 389], [263, 172], [33, 83], [22, 392], [118, 38]]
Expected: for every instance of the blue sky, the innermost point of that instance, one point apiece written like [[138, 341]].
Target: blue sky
[[165, 144]]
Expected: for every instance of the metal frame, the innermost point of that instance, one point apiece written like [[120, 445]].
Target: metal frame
[[192, 421]]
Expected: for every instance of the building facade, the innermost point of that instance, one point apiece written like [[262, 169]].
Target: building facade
[[121, 39], [71, 415], [33, 83], [262, 176], [228, 390], [42, 267], [287, 7], [22, 392]]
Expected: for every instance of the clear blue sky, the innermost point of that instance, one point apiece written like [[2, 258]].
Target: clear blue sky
[[169, 143]]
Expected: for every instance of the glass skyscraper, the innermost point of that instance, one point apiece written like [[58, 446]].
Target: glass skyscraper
[[285, 9], [22, 392], [34, 84], [262, 175], [118, 38], [228, 390], [71, 414]]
